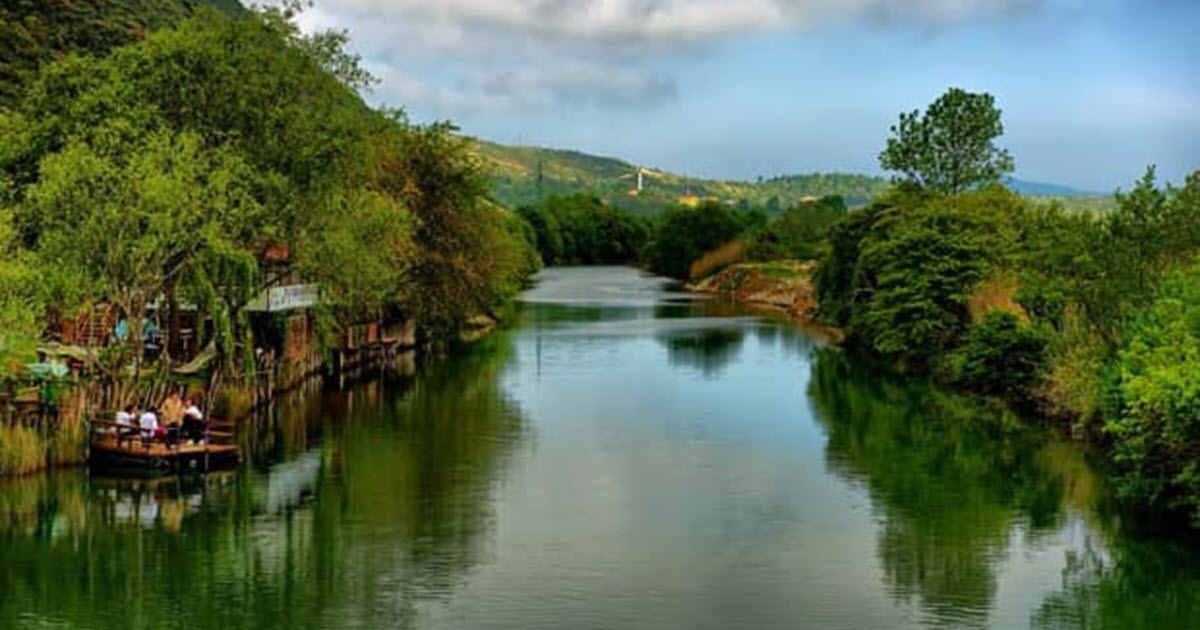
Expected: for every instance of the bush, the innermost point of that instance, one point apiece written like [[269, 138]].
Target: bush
[[684, 235], [800, 231], [999, 356], [899, 274], [582, 229], [1154, 407]]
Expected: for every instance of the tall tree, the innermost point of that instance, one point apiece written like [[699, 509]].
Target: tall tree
[[134, 225], [18, 303], [950, 147]]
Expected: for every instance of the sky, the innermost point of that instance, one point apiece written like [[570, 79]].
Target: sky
[[1092, 91]]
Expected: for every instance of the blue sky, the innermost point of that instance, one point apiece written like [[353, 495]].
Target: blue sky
[[1092, 91]]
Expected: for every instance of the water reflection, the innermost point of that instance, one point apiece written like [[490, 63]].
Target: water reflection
[[623, 459], [357, 523], [959, 490]]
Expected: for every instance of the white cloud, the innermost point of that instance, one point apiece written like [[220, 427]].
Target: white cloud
[[491, 55]]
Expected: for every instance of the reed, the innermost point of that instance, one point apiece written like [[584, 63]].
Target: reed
[[732, 252], [22, 451]]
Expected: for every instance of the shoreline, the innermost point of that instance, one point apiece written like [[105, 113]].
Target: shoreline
[[782, 288]]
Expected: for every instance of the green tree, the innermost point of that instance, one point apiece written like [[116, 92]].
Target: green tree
[[132, 221], [899, 274], [582, 229], [800, 231], [951, 146], [454, 276], [19, 303], [1000, 356], [361, 254], [1154, 415], [685, 234]]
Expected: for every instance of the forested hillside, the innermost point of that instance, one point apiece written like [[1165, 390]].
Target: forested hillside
[[33, 32], [523, 175]]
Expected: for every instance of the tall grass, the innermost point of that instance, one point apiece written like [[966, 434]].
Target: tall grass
[[22, 451], [732, 252]]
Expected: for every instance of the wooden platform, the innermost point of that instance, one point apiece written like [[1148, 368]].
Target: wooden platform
[[133, 453]]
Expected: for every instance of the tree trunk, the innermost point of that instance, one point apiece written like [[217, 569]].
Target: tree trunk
[[173, 322]]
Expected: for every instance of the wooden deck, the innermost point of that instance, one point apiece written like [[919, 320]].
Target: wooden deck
[[112, 451]]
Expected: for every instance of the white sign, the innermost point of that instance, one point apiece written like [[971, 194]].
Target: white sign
[[287, 298]]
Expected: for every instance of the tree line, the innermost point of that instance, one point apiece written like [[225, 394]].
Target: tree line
[[226, 154], [583, 230], [1086, 317], [1090, 318]]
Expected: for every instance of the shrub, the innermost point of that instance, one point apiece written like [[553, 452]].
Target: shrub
[[1154, 407], [685, 234], [999, 356]]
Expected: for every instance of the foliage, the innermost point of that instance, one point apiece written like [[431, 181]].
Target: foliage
[[527, 176], [999, 356], [197, 155], [361, 253], [951, 146], [682, 235], [800, 230], [129, 221], [582, 229], [899, 274], [1154, 419], [19, 301], [461, 267], [36, 32]]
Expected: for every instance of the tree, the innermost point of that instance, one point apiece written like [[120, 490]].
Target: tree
[[1154, 413], [431, 171], [134, 221], [19, 304], [361, 256], [685, 234], [951, 147]]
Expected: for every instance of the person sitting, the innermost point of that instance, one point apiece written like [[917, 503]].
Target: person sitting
[[171, 415], [149, 424], [172, 410], [194, 426], [125, 421]]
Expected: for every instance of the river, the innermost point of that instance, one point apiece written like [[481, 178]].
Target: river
[[624, 457]]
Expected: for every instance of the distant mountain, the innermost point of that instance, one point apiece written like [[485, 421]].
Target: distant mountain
[[1041, 189], [33, 32]]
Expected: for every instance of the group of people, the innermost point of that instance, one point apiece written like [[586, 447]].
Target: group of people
[[178, 418]]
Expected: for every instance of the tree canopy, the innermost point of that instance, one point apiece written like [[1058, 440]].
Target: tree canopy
[[231, 154], [951, 146]]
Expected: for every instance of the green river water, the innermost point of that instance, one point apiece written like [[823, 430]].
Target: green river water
[[624, 457]]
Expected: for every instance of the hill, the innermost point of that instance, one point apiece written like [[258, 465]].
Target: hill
[[521, 175], [33, 32], [1042, 189]]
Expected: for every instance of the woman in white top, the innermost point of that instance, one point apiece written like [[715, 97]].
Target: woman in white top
[[125, 420], [194, 425]]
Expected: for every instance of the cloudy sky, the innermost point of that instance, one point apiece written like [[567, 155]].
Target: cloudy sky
[[1092, 90]]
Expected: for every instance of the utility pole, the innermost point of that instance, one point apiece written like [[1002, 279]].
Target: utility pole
[[540, 179]]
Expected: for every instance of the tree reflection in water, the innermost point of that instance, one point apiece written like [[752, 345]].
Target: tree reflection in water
[[390, 507], [954, 483]]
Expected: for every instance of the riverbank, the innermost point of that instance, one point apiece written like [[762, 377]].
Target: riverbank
[[783, 287], [34, 441], [507, 486]]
